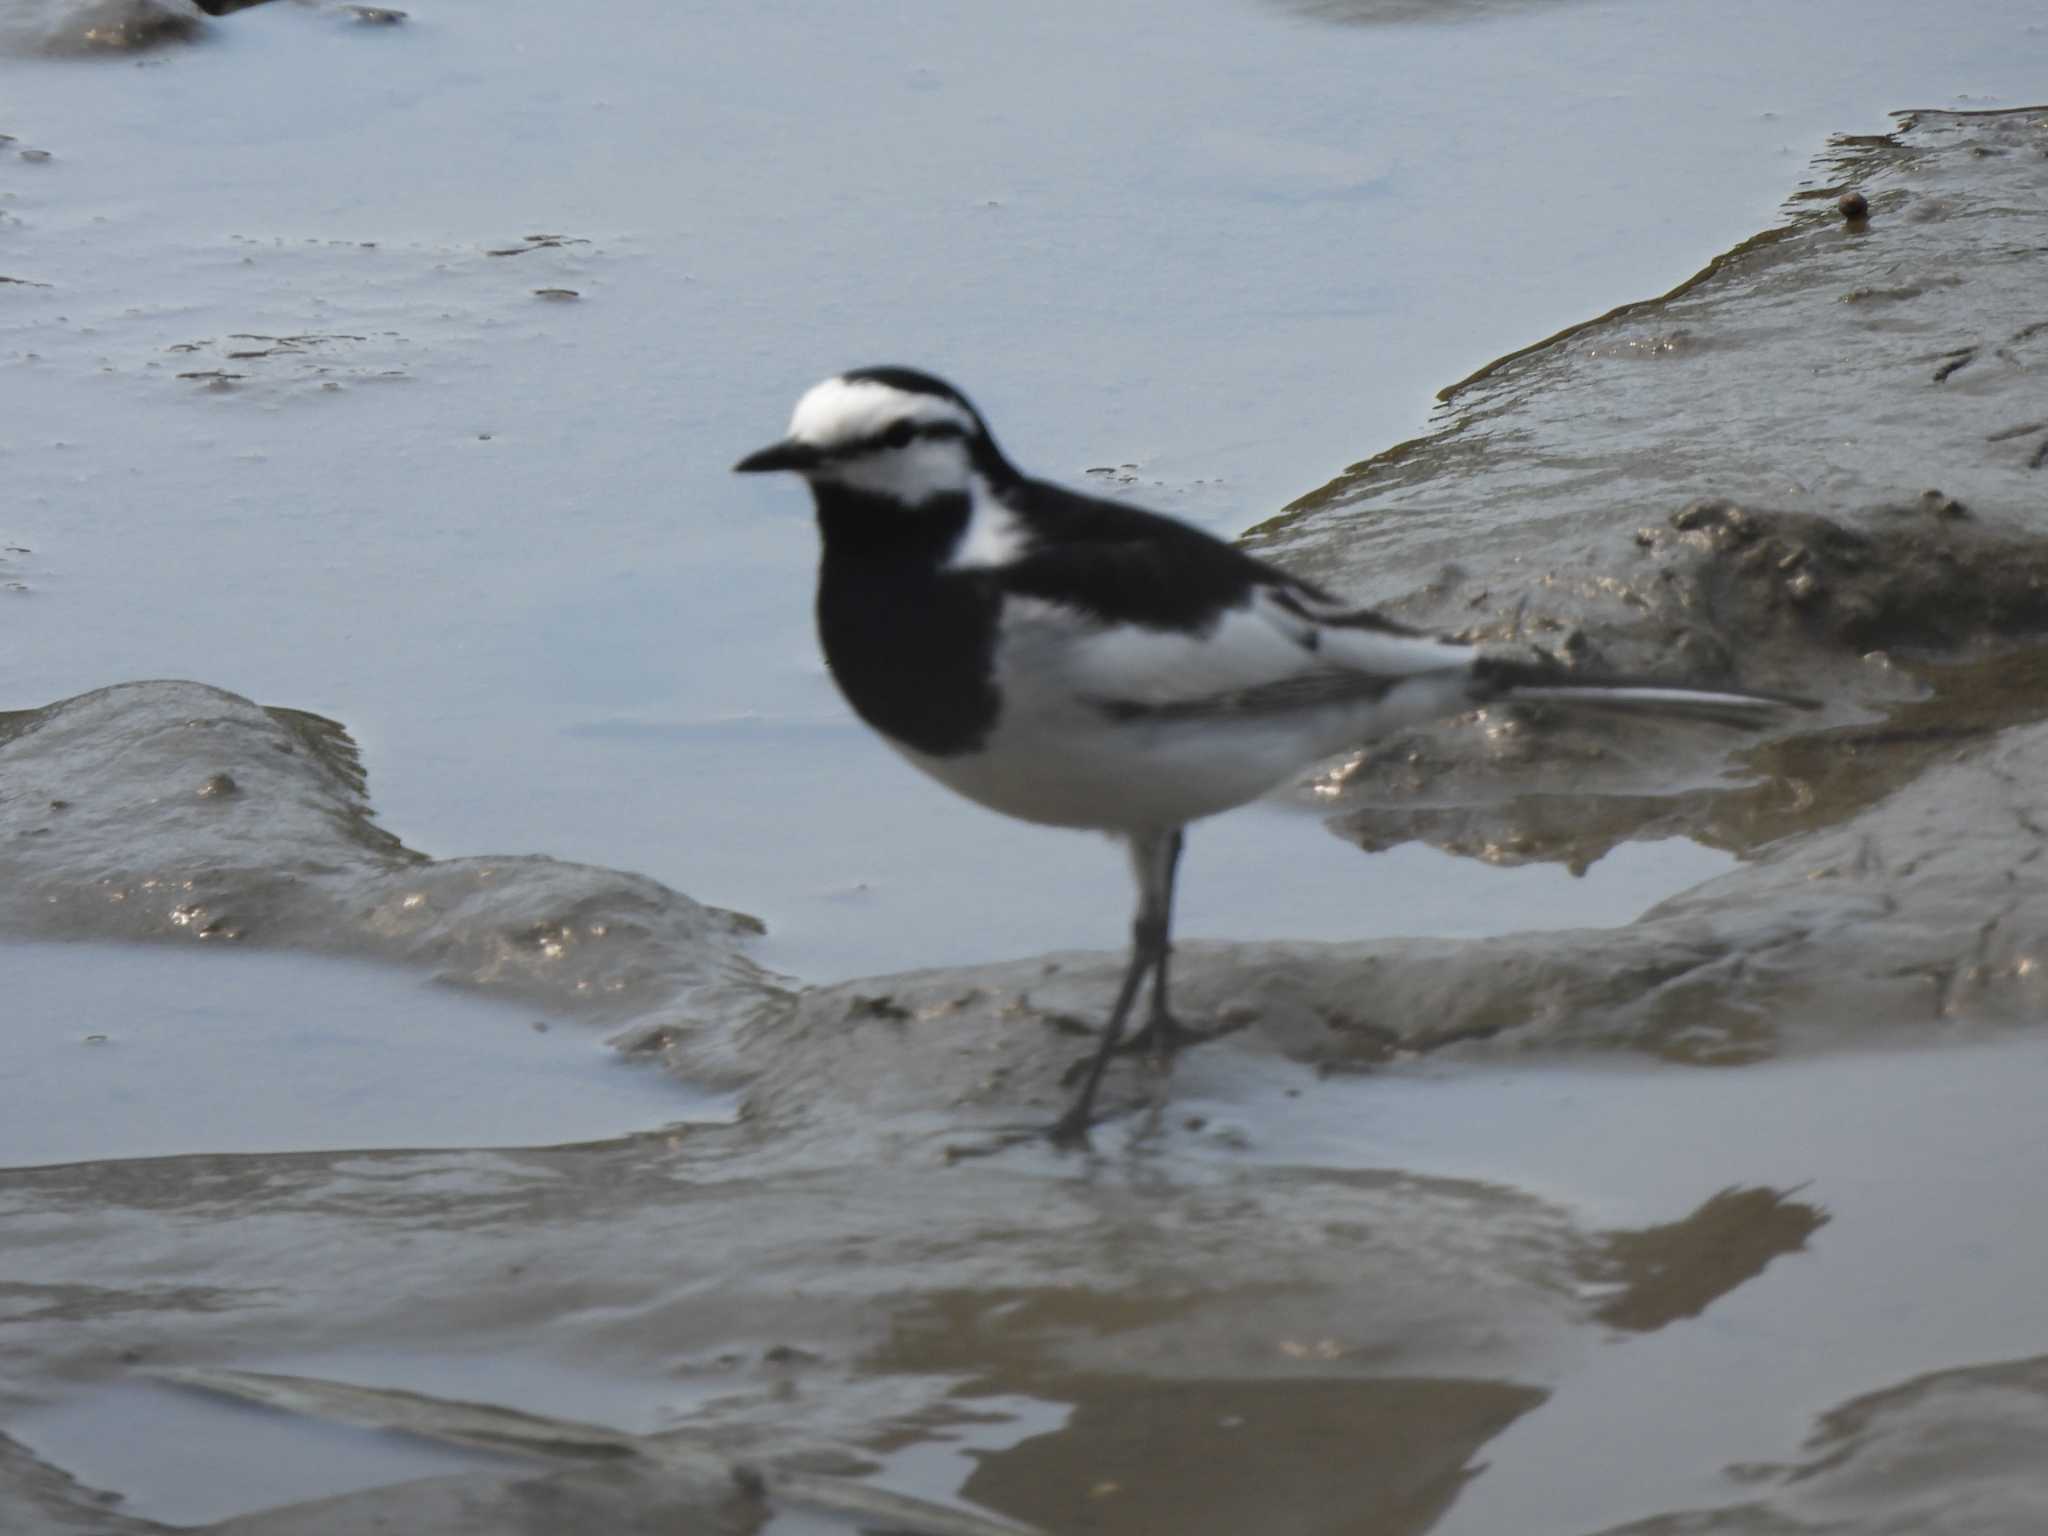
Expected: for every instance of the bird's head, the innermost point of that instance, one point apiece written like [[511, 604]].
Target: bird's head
[[892, 433]]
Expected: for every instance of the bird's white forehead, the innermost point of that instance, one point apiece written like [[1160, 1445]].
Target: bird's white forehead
[[841, 411]]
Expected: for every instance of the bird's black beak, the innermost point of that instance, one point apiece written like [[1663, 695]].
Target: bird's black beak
[[787, 454]]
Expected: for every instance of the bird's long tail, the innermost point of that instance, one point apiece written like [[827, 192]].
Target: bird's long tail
[[1500, 677]]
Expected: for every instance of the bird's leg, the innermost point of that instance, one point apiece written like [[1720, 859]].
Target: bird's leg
[[1071, 1129], [1163, 1034], [1152, 859]]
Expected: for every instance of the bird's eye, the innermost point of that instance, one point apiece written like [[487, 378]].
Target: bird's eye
[[899, 434]]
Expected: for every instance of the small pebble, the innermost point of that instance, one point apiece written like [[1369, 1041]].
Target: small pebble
[[1854, 205]]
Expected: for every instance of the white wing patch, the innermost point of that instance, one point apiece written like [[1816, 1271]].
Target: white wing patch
[[1260, 646], [1355, 648], [1162, 667]]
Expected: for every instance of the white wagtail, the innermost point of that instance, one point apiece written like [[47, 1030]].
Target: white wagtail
[[1081, 663]]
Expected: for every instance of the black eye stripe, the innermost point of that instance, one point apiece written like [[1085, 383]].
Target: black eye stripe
[[899, 434]]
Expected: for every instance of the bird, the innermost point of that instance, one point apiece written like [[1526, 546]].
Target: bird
[[1079, 662]]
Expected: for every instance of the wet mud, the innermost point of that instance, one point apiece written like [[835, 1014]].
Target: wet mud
[[66, 27], [178, 811], [75, 28], [1358, 1265], [1951, 1450]]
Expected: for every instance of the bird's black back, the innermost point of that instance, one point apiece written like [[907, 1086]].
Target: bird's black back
[[1124, 565]]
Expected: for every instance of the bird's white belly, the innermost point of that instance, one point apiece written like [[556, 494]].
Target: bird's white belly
[[1066, 764], [1122, 778]]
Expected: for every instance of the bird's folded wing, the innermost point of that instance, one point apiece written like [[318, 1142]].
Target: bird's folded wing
[[1268, 647]]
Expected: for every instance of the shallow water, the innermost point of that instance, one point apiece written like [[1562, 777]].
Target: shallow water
[[126, 1052], [1921, 1163], [1238, 250], [1924, 1163]]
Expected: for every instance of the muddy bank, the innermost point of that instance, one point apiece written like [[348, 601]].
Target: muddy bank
[[1909, 1458], [1734, 479], [174, 811], [85, 27], [1829, 367]]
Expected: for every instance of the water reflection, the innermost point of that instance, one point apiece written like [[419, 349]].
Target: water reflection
[[1148, 1450]]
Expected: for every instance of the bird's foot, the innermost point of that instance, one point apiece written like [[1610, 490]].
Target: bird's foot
[[1070, 1131]]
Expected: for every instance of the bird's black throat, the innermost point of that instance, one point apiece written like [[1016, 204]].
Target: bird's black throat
[[910, 643]]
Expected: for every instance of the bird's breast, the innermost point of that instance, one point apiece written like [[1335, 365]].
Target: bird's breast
[[912, 648]]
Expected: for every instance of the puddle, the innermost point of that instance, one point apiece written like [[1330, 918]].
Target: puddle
[[121, 1052], [1231, 1456], [948, 1460]]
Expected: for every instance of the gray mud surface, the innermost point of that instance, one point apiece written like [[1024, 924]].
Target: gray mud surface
[[1286, 1293]]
